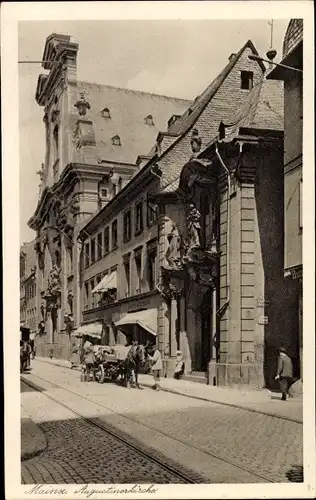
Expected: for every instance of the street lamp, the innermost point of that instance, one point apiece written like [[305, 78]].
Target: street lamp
[[254, 57]]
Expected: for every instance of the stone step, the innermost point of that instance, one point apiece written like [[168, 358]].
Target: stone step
[[199, 377]]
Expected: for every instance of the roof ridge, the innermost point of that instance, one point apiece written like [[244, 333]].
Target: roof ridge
[[136, 91]]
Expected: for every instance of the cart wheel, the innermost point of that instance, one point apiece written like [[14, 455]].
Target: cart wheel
[[100, 374]]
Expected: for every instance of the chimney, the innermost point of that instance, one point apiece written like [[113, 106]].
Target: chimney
[[232, 56]]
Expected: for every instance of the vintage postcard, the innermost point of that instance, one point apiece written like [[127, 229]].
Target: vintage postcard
[[158, 189]]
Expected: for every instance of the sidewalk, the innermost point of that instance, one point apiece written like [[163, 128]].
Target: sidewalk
[[33, 440], [263, 401]]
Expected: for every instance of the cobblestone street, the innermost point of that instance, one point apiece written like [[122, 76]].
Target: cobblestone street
[[206, 441]]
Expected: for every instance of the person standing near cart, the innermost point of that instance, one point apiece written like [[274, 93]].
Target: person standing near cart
[[156, 366]]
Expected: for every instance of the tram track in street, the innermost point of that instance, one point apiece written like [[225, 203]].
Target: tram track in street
[[189, 477]]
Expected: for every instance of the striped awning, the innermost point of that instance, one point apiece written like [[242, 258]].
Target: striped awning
[[90, 330], [145, 319], [108, 282]]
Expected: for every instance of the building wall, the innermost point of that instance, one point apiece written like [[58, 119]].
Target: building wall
[[261, 314], [293, 117], [293, 169], [94, 307], [28, 286], [30, 295], [115, 256], [293, 216]]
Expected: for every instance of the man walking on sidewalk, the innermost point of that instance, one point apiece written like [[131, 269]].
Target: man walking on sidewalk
[[284, 373]]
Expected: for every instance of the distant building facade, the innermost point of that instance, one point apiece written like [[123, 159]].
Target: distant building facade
[[204, 273], [97, 138], [28, 313], [293, 158]]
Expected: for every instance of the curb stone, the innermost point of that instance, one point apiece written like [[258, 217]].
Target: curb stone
[[33, 440]]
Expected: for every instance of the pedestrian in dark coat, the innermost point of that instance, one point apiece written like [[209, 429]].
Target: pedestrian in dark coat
[[284, 373]]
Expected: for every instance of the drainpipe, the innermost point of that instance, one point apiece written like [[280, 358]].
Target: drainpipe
[[228, 227]]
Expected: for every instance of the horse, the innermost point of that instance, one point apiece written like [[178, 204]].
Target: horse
[[25, 353], [133, 362]]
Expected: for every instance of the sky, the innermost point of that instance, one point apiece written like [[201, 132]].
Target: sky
[[173, 58]]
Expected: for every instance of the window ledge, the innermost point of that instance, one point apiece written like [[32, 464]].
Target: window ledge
[[137, 233]]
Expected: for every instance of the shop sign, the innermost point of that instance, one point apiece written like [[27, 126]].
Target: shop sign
[[263, 320], [138, 304]]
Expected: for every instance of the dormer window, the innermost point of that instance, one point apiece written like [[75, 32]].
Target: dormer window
[[173, 119], [116, 141], [149, 120], [106, 113], [246, 80]]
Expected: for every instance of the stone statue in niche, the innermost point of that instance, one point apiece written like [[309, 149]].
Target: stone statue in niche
[[173, 254], [194, 227]]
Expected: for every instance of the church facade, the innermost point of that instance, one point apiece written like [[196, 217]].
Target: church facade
[[92, 151]]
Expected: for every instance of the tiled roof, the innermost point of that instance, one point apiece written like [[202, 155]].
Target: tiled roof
[[262, 109], [128, 111], [293, 36], [190, 116]]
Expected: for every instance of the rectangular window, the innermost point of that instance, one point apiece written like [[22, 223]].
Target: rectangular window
[[246, 80], [127, 269], [99, 249], [151, 270], [92, 296], [138, 265], [106, 240], [301, 205], [151, 213], [86, 254], [127, 226], [138, 218], [69, 261], [104, 193], [92, 251], [86, 295], [114, 235]]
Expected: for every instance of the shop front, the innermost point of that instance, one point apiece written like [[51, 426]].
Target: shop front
[[126, 320]]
